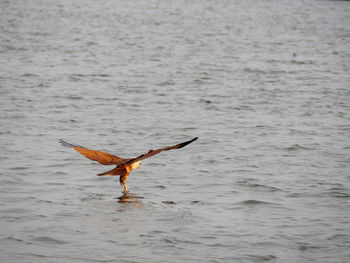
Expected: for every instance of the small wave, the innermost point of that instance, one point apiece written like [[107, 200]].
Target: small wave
[[14, 239], [90, 75], [49, 240], [19, 168], [19, 211], [7, 181], [160, 186], [169, 241], [299, 62], [296, 147], [33, 255], [259, 258], [340, 195], [194, 202], [306, 246], [74, 97], [30, 75], [341, 237], [255, 202], [260, 186], [169, 202]]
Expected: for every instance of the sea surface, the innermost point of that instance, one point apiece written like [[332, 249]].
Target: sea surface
[[265, 85]]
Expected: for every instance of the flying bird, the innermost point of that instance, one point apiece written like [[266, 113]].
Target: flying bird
[[123, 166]]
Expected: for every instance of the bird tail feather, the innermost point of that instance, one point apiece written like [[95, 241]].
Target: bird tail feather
[[114, 172]]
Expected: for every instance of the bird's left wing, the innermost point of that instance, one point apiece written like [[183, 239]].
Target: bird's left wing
[[154, 152], [101, 157]]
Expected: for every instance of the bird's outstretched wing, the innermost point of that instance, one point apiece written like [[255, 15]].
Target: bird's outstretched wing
[[101, 157], [154, 152]]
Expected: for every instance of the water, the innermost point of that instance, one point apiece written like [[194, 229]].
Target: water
[[264, 84]]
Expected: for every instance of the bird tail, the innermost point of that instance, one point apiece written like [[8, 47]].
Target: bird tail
[[114, 172]]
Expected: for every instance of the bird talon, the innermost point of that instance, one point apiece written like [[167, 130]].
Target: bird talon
[[125, 189]]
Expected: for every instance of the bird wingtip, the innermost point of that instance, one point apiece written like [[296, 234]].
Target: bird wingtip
[[195, 138], [187, 142], [64, 143], [68, 144]]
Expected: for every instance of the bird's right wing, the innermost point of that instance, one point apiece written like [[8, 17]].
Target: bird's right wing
[[101, 157]]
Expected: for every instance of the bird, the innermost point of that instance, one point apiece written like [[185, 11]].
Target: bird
[[123, 166]]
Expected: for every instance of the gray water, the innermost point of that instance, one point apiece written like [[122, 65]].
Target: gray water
[[265, 86]]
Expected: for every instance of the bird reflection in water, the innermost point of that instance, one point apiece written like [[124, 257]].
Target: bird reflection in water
[[129, 198]]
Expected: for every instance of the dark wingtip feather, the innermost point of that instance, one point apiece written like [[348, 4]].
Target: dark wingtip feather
[[195, 138], [188, 142], [67, 144], [64, 143]]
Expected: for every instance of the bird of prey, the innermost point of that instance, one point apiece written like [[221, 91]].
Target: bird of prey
[[123, 166]]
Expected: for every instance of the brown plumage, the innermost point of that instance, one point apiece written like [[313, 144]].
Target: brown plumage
[[123, 166]]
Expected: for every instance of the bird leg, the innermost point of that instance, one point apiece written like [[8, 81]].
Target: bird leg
[[125, 188]]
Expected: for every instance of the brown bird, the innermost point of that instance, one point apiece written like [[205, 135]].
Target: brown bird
[[123, 166]]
